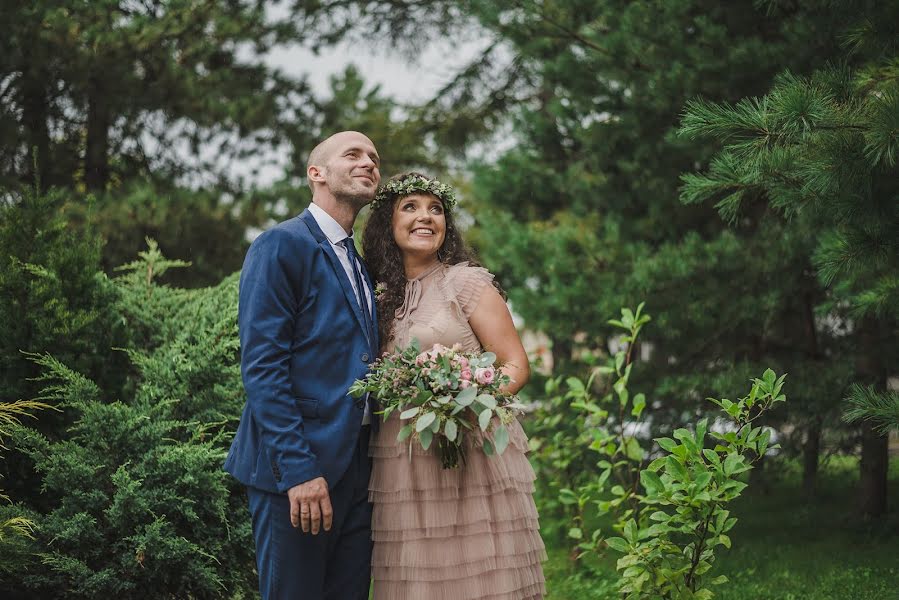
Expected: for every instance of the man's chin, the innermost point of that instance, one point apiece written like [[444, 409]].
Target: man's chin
[[358, 197]]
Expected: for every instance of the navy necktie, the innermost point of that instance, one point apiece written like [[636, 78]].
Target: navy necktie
[[360, 287]]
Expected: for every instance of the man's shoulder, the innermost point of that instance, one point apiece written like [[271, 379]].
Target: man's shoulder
[[292, 232]]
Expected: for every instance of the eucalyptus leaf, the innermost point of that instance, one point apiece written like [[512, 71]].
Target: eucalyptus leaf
[[404, 433], [487, 401], [424, 421], [501, 439], [450, 430], [410, 412], [466, 396], [484, 419], [426, 437]]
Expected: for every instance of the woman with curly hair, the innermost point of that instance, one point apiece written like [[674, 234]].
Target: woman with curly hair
[[445, 534]]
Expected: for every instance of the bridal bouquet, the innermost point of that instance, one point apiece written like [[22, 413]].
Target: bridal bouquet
[[442, 393]]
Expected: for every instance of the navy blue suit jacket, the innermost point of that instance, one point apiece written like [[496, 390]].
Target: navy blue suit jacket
[[303, 343]]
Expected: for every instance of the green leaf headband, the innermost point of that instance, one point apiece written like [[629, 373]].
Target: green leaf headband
[[413, 184]]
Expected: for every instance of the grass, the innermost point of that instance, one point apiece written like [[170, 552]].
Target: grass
[[783, 548]]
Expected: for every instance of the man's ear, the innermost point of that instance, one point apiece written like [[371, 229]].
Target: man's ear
[[316, 174]]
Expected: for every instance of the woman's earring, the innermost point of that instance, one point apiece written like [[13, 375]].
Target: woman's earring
[[439, 255]]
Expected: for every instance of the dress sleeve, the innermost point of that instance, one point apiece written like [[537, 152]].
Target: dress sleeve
[[465, 285]]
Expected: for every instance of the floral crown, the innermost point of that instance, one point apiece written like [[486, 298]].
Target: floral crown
[[415, 183]]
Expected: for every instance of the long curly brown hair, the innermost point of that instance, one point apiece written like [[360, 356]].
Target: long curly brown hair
[[384, 258]]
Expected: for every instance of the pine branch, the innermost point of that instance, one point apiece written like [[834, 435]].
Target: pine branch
[[880, 408]]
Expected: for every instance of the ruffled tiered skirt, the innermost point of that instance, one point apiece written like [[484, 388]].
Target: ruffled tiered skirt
[[454, 534]]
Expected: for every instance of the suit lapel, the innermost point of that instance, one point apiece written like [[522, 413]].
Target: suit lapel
[[339, 271]]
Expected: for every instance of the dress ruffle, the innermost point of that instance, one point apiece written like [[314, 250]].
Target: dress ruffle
[[470, 533], [465, 533]]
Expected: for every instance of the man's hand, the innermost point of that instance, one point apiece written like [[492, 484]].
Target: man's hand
[[310, 505]]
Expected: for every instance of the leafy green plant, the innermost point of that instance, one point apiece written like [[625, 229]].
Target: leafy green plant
[[611, 422], [668, 552], [671, 513]]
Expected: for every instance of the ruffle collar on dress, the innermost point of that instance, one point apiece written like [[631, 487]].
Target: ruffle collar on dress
[[413, 292]]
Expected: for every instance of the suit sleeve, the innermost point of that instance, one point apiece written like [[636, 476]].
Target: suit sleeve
[[271, 290]]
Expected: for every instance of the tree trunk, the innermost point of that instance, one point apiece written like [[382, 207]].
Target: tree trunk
[[810, 450], [875, 447], [37, 135], [873, 471], [96, 159]]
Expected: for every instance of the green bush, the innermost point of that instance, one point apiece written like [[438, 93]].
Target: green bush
[[136, 502]]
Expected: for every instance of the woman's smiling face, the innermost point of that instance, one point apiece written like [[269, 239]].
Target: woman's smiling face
[[419, 224]]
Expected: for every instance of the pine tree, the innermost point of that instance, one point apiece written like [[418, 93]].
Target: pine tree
[[823, 151]]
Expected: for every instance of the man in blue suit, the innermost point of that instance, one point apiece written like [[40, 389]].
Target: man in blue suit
[[307, 330]]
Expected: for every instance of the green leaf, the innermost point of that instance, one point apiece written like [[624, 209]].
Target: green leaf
[[639, 404], [666, 444], [466, 396], [424, 421], [404, 433], [409, 413], [484, 419], [732, 463], [487, 401], [487, 359], [617, 543], [450, 430], [575, 385], [703, 480], [426, 437], [567, 497], [576, 533], [719, 580], [633, 450], [630, 531], [712, 456], [488, 448], [501, 439], [651, 481], [701, 428], [674, 468], [656, 464]]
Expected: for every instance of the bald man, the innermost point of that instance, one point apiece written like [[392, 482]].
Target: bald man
[[308, 330]]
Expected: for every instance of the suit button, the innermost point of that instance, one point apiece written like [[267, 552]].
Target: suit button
[[364, 358]]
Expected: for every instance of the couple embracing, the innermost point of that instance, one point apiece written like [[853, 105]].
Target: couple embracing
[[335, 499]]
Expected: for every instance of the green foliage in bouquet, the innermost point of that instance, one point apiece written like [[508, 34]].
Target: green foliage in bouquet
[[442, 393], [135, 503]]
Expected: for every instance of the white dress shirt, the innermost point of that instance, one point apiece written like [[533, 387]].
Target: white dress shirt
[[336, 234]]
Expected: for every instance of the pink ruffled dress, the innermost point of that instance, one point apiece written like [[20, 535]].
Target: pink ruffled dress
[[451, 534]]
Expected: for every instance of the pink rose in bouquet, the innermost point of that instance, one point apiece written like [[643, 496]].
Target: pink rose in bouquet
[[485, 375]]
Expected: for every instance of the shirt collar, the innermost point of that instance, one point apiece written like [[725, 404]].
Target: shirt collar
[[331, 228]]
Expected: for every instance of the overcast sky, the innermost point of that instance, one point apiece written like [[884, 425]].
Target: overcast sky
[[396, 75], [405, 79]]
